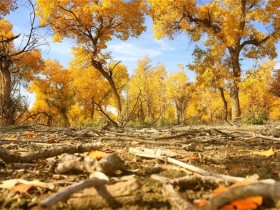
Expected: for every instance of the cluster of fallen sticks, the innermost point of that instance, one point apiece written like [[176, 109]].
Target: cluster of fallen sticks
[[110, 191]]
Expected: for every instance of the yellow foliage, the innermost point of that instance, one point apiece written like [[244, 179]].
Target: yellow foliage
[[6, 6], [254, 90], [30, 63], [150, 83], [6, 29], [53, 91], [100, 19]]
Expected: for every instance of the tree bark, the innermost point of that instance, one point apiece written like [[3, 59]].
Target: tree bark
[[221, 90], [109, 78], [92, 110], [65, 119], [235, 104], [234, 90], [6, 106]]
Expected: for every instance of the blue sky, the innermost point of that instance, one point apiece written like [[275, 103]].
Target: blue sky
[[170, 53]]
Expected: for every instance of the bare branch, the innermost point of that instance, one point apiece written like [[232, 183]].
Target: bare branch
[[255, 42], [105, 114]]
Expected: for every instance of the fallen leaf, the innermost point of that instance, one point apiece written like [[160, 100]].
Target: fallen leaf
[[200, 203], [133, 143], [236, 168], [16, 152], [22, 188], [9, 184], [249, 203], [96, 154], [57, 177], [11, 138], [51, 141], [188, 158], [29, 133], [266, 153]]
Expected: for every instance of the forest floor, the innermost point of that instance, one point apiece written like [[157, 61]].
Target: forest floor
[[177, 167]]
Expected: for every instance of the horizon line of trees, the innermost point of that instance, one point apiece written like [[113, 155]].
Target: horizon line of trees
[[96, 87], [152, 95]]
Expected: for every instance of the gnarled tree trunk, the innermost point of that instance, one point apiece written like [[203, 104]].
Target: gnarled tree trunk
[[109, 78], [234, 89], [6, 105], [225, 117], [65, 118]]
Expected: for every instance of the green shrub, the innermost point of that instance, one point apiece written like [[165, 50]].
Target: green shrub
[[258, 117]]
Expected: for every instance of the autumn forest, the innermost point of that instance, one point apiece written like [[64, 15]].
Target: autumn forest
[[97, 89], [100, 134]]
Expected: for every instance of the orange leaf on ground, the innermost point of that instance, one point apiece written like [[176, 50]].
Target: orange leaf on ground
[[22, 188], [51, 141], [16, 152], [29, 133], [249, 203], [266, 153], [200, 203], [236, 168], [96, 154]]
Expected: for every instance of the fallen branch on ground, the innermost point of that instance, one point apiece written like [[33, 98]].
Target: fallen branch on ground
[[265, 190], [7, 157], [143, 153], [66, 193], [175, 200], [112, 196]]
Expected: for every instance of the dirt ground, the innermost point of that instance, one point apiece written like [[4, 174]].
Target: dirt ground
[[134, 168]]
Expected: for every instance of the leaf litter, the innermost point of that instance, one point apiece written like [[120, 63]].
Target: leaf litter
[[179, 167]]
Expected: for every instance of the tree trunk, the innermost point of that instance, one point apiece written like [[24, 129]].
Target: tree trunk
[[92, 110], [177, 112], [149, 108], [6, 106], [49, 121], [109, 78], [225, 117], [234, 90], [49, 118], [142, 115], [65, 119], [235, 104]]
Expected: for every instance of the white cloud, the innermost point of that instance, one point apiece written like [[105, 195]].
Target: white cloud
[[58, 50], [61, 48], [163, 45], [131, 52], [277, 66]]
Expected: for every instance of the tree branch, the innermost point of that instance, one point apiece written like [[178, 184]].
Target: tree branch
[[255, 42]]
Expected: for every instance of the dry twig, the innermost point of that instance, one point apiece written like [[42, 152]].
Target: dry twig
[[236, 193], [66, 193], [175, 200], [7, 157]]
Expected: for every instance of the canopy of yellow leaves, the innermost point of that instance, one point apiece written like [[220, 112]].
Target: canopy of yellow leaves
[[91, 21], [6, 28], [53, 88], [6, 6], [227, 23]]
